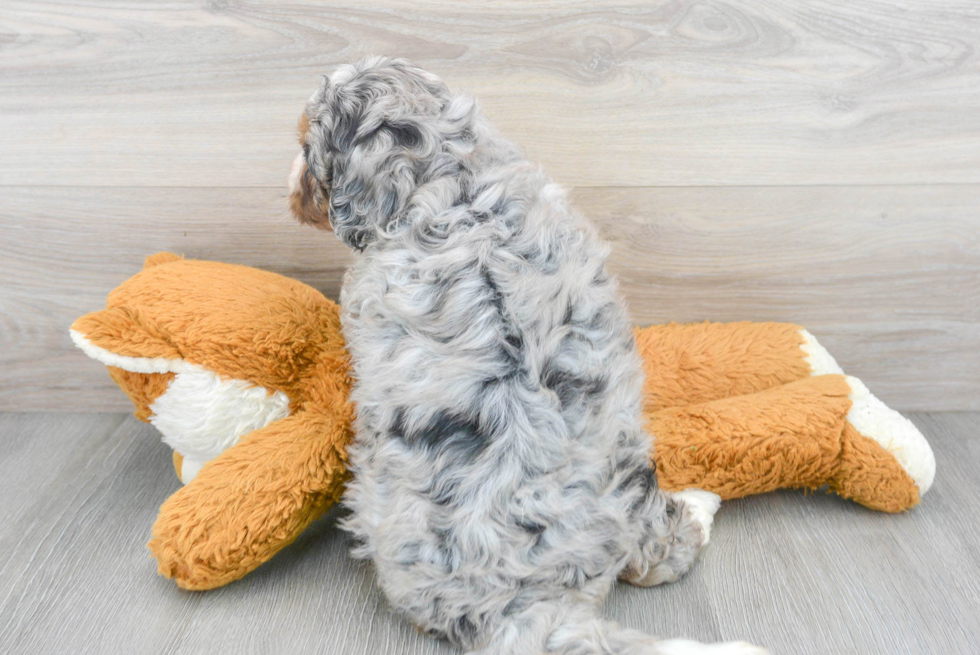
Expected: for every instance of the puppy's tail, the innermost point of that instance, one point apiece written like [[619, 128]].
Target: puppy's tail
[[553, 628]]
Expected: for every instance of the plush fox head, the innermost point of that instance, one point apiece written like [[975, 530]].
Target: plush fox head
[[209, 352]]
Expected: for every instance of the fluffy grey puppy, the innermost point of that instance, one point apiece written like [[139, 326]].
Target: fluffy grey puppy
[[502, 477]]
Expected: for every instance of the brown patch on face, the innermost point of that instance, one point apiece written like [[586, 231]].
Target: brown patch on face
[[307, 197], [302, 128]]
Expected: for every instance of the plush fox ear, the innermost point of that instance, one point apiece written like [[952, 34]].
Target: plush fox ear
[[160, 258], [125, 335], [139, 361], [116, 337]]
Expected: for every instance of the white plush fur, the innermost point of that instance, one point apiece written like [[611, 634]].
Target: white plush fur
[[894, 432], [821, 362], [874, 419], [133, 364], [189, 468], [501, 471], [200, 414]]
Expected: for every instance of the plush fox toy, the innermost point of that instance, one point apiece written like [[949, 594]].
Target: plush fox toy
[[245, 374]]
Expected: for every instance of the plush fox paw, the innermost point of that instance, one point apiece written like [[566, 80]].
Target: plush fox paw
[[885, 462]]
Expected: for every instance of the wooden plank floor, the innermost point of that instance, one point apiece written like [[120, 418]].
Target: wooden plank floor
[[813, 161], [802, 574]]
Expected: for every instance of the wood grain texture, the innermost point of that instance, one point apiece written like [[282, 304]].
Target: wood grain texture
[[802, 574], [887, 277], [808, 161], [622, 93]]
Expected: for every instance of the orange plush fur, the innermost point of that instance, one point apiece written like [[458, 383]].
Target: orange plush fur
[[736, 412], [242, 323], [733, 409]]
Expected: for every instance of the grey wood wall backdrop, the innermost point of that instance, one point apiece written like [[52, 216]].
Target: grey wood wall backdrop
[[806, 161]]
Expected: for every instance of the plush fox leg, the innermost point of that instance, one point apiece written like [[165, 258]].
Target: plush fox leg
[[700, 362], [865, 474], [252, 500], [823, 430]]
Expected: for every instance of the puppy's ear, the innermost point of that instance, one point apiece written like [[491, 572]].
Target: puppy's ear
[[373, 168], [368, 194], [372, 135]]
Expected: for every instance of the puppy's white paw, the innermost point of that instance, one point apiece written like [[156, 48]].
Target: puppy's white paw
[[655, 575], [703, 505], [686, 647]]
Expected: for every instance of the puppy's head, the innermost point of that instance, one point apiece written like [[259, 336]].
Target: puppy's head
[[368, 137]]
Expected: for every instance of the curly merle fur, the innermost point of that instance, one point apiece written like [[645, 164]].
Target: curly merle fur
[[502, 477]]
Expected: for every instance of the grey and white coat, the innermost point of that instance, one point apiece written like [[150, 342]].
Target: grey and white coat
[[502, 477]]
